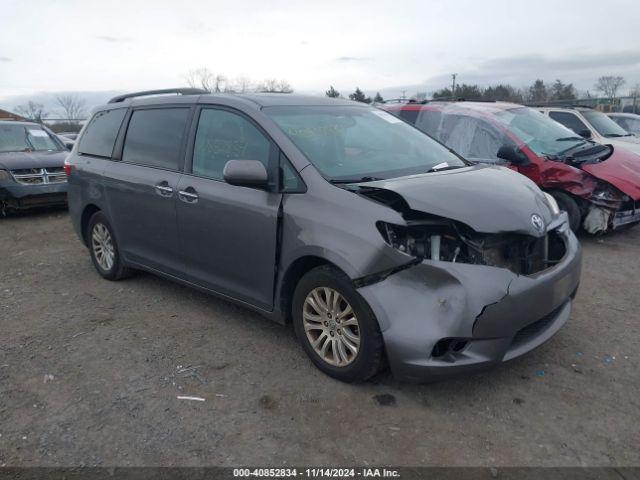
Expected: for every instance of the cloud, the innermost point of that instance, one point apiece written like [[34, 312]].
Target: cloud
[[110, 39], [6, 59], [352, 59]]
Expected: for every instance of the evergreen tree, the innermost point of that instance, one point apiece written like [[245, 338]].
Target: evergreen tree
[[359, 96], [378, 98], [332, 92]]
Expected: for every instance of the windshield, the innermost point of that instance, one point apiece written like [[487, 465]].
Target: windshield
[[360, 143], [540, 133], [603, 124], [21, 138]]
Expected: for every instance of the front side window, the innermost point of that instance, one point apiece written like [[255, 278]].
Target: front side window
[[569, 120], [224, 136], [100, 134], [15, 137], [154, 137], [353, 143], [604, 125], [544, 136]]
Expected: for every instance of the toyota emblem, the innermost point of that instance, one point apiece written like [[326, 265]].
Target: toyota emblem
[[537, 222]]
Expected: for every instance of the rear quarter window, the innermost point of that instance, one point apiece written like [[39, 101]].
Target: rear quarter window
[[100, 134]]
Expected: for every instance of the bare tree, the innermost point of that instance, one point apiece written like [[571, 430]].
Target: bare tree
[[635, 90], [271, 85], [200, 78], [242, 84], [33, 111], [609, 86], [207, 80], [72, 105]]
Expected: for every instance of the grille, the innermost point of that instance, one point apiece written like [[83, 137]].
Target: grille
[[39, 176], [535, 328]]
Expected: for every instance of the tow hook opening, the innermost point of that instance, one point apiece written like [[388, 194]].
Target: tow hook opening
[[449, 346]]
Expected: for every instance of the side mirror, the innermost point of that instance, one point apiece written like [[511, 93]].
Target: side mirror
[[586, 133], [245, 173], [69, 145], [512, 155]]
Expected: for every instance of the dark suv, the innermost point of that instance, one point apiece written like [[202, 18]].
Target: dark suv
[[372, 238]]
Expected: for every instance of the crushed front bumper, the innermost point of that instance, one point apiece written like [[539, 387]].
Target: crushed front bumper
[[498, 314], [18, 197]]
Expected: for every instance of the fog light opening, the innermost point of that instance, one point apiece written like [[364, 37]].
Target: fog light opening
[[448, 345]]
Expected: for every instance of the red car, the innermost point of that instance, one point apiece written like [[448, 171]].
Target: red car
[[597, 185]]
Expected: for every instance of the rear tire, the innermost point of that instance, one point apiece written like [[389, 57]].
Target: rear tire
[[104, 249], [336, 326], [569, 205]]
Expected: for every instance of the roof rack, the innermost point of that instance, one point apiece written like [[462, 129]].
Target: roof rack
[[178, 91]]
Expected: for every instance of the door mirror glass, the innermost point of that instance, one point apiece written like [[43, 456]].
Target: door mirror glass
[[512, 155], [585, 133], [245, 173]]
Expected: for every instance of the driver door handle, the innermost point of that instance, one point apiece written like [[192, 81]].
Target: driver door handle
[[163, 189]]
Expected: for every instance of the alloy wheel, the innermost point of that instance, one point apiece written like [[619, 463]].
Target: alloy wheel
[[102, 246], [331, 326]]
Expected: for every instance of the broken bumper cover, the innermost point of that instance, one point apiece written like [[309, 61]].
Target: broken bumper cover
[[498, 315], [16, 196], [626, 217]]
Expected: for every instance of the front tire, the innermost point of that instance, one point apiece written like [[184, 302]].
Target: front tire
[[336, 326], [569, 205], [104, 248]]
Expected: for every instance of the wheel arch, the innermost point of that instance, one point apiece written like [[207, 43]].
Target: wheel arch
[[294, 272], [87, 213]]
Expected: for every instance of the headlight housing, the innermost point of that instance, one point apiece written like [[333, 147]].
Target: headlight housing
[[4, 175], [553, 205]]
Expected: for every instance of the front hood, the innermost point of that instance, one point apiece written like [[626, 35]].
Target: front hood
[[621, 169], [16, 160], [489, 199]]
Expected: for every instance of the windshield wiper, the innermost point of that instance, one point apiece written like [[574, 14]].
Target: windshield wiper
[[442, 169], [614, 135], [354, 180], [568, 139]]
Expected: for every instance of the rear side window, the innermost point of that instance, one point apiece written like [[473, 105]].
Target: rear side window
[[154, 137], [224, 136], [100, 135], [569, 120]]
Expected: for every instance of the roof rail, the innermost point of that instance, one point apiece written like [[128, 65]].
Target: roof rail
[[178, 91]]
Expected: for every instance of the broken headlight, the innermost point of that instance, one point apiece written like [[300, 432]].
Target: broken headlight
[[437, 242], [449, 241]]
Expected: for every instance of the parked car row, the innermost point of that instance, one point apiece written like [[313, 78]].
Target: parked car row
[[597, 184], [378, 242]]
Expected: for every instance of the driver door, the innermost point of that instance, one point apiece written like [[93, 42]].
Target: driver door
[[228, 234]]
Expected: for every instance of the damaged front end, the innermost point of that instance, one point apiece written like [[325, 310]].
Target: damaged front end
[[609, 209], [466, 300]]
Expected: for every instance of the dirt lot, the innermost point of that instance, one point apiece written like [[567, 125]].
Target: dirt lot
[[90, 371]]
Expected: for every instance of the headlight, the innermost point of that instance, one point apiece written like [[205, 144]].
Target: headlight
[[4, 175], [553, 205]]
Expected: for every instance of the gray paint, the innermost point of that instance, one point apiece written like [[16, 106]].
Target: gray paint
[[240, 242]]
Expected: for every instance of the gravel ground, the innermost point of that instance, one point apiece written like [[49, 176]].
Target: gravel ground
[[90, 371]]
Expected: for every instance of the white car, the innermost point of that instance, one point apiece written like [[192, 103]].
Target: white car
[[594, 125], [629, 121]]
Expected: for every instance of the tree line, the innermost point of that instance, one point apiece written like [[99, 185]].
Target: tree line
[[217, 83]]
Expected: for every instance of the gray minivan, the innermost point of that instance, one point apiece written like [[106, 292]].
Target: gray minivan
[[378, 243]]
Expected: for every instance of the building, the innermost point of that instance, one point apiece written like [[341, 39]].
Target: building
[[6, 115]]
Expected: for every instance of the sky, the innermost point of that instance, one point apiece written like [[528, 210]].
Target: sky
[[98, 47]]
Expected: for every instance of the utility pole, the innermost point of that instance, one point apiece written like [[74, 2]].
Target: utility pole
[[403, 97], [453, 86]]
